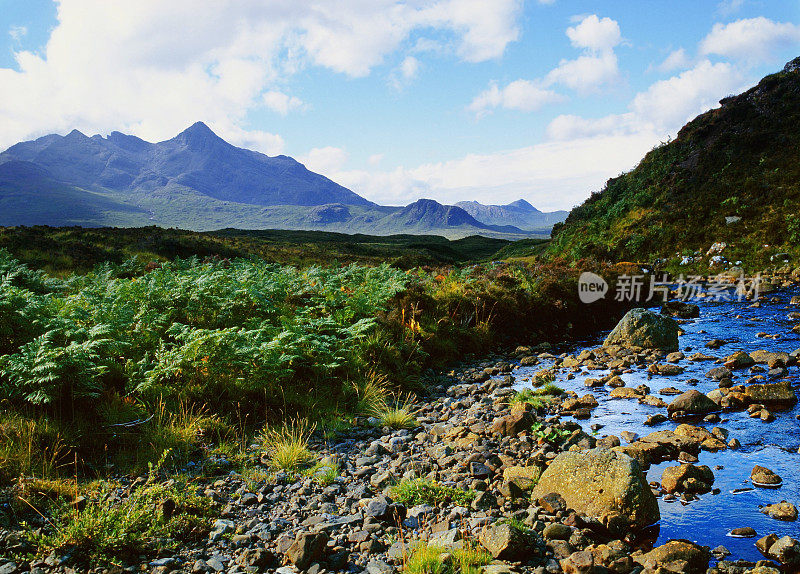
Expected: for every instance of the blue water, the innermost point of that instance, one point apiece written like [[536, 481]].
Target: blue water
[[774, 445]]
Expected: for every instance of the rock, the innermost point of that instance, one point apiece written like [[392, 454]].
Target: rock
[[770, 358], [680, 309], [762, 476], [603, 484], [643, 328], [744, 532], [739, 360], [719, 373], [524, 477], [687, 478], [786, 551], [552, 502], [520, 420], [578, 563], [679, 556], [781, 511], [780, 392], [506, 542], [557, 531], [692, 402], [765, 543], [308, 547]]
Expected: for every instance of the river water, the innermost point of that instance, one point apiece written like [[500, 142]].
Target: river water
[[774, 445]]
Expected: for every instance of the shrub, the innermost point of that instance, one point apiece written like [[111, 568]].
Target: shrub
[[421, 491], [287, 446]]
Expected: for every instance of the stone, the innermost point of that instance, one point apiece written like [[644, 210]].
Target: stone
[[783, 510], [679, 556], [765, 543], [744, 532], [581, 562], [692, 402], [780, 392], [786, 551], [552, 502], [643, 328], [524, 477], [680, 310], [506, 541], [308, 547], [557, 531], [603, 484], [739, 360], [520, 420], [762, 476], [687, 478]]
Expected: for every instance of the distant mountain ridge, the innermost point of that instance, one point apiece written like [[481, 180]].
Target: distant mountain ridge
[[519, 213], [198, 181]]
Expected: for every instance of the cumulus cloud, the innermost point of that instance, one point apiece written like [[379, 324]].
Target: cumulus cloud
[[519, 95], [325, 160], [552, 175], [595, 34], [598, 65], [280, 102], [153, 68], [753, 40], [676, 60], [661, 109]]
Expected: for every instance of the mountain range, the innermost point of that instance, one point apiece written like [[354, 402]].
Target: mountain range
[[198, 181]]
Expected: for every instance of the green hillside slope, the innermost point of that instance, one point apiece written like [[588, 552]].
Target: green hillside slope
[[732, 175]]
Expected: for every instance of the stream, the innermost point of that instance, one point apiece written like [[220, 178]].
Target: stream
[[709, 519]]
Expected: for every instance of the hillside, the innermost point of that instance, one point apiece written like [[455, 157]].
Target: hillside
[[731, 175], [519, 213], [200, 182]]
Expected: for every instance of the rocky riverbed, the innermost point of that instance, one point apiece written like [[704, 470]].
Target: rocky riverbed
[[657, 460]]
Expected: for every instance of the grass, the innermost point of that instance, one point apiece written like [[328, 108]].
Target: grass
[[551, 435], [287, 446], [145, 520], [426, 559], [412, 492]]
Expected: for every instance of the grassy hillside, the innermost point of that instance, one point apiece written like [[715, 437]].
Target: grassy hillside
[[61, 250], [732, 175]]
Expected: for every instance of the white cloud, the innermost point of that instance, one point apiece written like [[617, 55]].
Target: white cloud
[[661, 109], [325, 160], [553, 175], [375, 158], [280, 102], [752, 40], [17, 33], [676, 60], [596, 34], [409, 67], [518, 95], [155, 67], [598, 65], [585, 73]]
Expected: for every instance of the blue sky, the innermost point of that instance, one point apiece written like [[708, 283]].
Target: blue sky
[[449, 99]]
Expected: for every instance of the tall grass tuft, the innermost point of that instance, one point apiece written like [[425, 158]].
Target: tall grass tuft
[[287, 445]]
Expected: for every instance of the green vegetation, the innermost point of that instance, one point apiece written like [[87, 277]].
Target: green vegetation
[[549, 434], [426, 559], [421, 491], [739, 160], [287, 446], [112, 528], [537, 398]]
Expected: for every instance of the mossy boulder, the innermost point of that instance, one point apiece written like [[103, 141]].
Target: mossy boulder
[[643, 328], [601, 483]]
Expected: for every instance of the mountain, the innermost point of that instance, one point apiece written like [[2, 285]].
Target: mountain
[[519, 213], [732, 176], [198, 181], [196, 160]]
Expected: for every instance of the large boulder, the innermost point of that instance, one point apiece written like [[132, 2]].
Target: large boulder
[[601, 483], [780, 392], [692, 402], [507, 542], [643, 328], [679, 556], [687, 478], [520, 420]]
